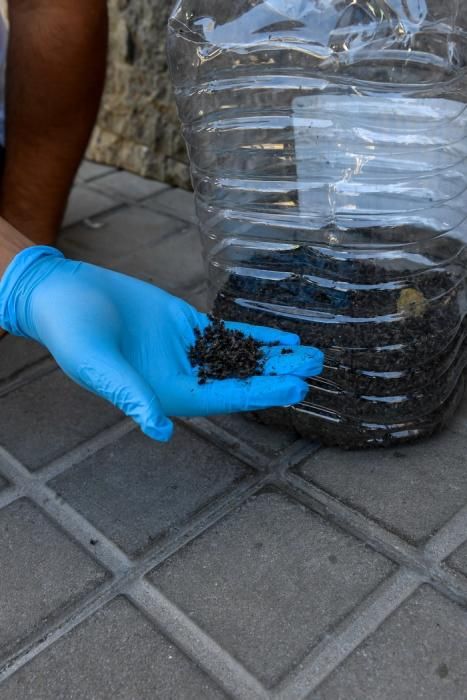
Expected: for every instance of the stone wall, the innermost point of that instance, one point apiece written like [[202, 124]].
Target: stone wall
[[138, 127]]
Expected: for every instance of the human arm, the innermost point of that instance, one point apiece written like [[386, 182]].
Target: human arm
[[55, 75], [11, 243], [128, 341]]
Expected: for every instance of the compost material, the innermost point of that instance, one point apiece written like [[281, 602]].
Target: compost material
[[394, 338], [222, 353]]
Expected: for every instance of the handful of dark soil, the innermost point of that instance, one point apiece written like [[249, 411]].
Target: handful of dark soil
[[221, 353]]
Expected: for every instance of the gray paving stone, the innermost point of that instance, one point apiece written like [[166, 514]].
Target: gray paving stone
[[17, 353], [126, 186], [412, 490], [419, 653], [269, 581], [136, 490], [48, 417], [459, 422], [269, 440], [42, 572], [115, 654], [176, 202], [90, 171], [3, 481], [458, 560], [119, 234], [175, 262], [85, 203], [197, 297]]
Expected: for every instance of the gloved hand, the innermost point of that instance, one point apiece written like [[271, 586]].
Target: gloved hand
[[127, 341]]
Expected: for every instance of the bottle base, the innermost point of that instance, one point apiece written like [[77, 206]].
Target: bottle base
[[394, 337], [352, 435]]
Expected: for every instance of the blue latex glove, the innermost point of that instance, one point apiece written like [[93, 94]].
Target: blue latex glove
[[127, 341]]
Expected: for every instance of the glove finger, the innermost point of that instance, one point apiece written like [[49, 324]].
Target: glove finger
[[115, 380], [301, 360], [234, 395], [264, 334]]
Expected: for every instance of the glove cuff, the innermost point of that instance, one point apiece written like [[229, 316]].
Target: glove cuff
[[13, 285]]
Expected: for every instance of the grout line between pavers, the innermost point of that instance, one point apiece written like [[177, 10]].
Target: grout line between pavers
[[111, 170], [80, 529], [128, 573], [61, 464], [14, 470], [103, 212], [29, 374], [70, 521], [200, 523], [381, 540], [125, 571], [221, 438], [71, 247], [49, 634], [9, 495], [294, 455], [85, 449], [288, 458], [29, 484], [354, 522], [450, 583], [448, 538], [237, 682], [129, 201], [167, 210], [362, 622]]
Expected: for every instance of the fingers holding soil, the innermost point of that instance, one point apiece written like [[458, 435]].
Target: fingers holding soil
[[299, 361], [265, 335], [257, 393], [231, 351]]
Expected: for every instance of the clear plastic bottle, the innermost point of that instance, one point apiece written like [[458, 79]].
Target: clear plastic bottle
[[328, 145]]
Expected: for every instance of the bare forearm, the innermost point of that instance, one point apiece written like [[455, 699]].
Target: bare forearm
[[11, 243], [55, 76]]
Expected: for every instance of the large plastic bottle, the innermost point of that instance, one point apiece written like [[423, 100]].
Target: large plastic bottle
[[328, 146]]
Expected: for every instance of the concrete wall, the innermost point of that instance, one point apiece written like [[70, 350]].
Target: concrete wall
[[138, 126]]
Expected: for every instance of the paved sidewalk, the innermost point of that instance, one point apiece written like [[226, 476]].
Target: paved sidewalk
[[238, 561]]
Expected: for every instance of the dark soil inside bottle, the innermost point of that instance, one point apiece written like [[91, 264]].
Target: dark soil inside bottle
[[394, 341]]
